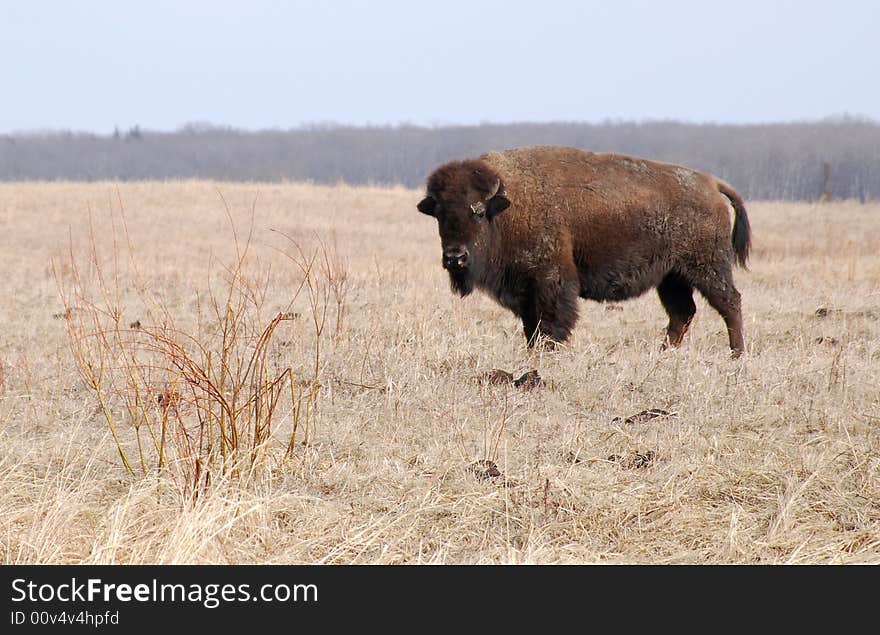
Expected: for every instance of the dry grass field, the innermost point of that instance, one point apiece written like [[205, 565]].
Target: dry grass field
[[773, 458]]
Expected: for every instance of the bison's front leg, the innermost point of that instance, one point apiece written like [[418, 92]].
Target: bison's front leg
[[549, 310]]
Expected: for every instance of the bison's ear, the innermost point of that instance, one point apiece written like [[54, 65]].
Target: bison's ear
[[496, 205], [427, 206]]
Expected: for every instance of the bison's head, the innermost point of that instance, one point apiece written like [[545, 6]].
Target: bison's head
[[464, 197]]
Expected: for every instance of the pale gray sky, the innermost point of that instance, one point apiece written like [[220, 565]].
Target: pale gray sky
[[94, 64]]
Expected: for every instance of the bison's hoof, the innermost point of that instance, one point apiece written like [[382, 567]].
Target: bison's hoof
[[544, 343]]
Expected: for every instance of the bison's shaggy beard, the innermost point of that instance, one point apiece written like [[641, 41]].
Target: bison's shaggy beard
[[462, 282]]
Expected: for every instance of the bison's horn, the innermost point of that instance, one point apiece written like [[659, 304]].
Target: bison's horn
[[495, 188]]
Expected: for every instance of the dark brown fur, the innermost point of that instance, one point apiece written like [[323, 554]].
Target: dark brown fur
[[565, 223]]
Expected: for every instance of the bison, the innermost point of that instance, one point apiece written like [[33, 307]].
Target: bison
[[538, 227]]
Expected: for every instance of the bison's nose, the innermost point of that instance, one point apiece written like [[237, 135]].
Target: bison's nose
[[455, 259]]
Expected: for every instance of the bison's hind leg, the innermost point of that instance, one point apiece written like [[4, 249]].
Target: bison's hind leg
[[677, 296], [724, 298]]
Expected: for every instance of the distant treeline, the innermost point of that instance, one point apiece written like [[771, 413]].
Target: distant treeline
[[772, 161]]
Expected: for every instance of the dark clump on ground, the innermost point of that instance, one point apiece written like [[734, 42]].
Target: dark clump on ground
[[572, 457], [498, 377], [831, 341], [634, 460], [484, 470], [644, 415], [529, 380], [487, 470]]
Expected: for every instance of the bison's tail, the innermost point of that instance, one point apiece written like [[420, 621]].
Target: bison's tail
[[742, 232]]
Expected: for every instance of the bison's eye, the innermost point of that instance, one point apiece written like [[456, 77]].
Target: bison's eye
[[479, 209]]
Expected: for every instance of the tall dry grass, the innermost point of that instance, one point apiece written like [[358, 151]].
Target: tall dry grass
[[771, 459], [201, 402]]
